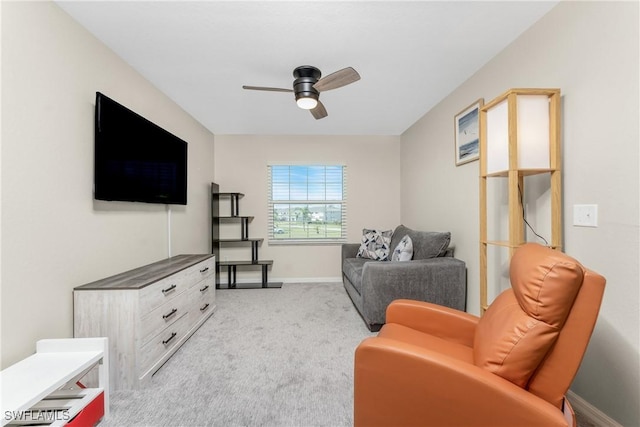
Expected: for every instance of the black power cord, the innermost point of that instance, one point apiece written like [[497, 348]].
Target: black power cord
[[524, 218]]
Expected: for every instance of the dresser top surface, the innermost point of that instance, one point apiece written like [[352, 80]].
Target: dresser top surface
[[140, 277]]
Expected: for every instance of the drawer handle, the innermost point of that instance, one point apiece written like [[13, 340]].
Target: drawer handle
[[204, 289], [203, 308], [169, 289], [204, 270], [171, 313], [173, 335]]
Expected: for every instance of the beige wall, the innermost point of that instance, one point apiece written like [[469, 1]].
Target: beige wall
[[54, 235], [373, 200], [589, 50]]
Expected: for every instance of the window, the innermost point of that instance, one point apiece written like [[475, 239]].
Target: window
[[307, 204]]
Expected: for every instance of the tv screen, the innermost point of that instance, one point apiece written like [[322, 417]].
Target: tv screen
[[136, 160]]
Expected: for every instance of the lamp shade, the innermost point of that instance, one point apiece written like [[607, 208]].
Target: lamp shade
[[498, 138], [521, 122]]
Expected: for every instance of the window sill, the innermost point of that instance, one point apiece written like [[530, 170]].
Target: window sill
[[306, 242]]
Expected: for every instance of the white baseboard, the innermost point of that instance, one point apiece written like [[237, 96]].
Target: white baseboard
[[590, 412], [310, 280]]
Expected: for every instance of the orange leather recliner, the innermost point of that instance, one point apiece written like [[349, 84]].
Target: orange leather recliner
[[435, 366]]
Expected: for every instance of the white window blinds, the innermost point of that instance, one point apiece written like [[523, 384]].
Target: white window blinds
[[307, 204]]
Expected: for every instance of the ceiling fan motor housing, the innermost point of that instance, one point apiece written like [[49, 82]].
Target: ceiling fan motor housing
[[305, 77]]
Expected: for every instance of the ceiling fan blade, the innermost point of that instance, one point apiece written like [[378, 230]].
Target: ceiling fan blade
[[338, 79], [269, 89], [319, 112]]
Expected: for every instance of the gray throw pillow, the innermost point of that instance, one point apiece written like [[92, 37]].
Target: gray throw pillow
[[375, 244]]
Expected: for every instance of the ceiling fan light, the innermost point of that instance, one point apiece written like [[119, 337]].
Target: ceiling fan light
[[307, 103]]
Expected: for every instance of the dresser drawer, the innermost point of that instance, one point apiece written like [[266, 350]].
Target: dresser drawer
[[162, 343], [207, 269], [200, 271], [206, 288], [202, 300], [159, 293], [153, 296], [163, 316]]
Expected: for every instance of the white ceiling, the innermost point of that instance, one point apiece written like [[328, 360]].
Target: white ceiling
[[410, 55]]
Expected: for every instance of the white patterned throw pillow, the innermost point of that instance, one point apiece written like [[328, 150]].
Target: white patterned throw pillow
[[404, 250], [375, 244]]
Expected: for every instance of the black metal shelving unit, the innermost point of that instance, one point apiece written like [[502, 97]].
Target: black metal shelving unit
[[217, 242]]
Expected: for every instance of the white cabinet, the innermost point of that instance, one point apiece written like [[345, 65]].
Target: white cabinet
[[42, 389], [146, 313]]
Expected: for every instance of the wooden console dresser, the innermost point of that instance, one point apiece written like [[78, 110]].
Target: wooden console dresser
[[147, 313]]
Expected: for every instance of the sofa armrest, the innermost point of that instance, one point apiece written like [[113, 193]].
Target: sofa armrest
[[439, 280], [396, 383], [349, 250], [437, 320]]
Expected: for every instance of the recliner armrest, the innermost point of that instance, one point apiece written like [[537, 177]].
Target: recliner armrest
[[437, 320]]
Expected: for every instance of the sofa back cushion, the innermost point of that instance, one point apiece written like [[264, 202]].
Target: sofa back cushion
[[426, 244]]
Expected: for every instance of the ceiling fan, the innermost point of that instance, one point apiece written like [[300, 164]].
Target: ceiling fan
[[308, 84]]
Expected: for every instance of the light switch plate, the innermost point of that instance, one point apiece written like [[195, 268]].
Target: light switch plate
[[585, 215]]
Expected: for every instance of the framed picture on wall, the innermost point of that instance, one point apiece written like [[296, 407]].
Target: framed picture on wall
[[467, 135]]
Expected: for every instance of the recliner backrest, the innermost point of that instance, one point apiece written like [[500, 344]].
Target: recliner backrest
[[521, 336], [555, 374]]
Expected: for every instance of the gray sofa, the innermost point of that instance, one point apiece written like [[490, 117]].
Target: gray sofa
[[432, 275]]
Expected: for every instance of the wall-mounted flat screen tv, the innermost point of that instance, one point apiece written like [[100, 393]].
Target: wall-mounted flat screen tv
[[136, 160]]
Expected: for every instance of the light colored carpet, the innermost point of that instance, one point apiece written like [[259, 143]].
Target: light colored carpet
[[272, 357]]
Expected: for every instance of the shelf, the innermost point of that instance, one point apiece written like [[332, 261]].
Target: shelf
[[506, 244], [232, 266], [517, 157], [238, 240], [245, 262], [522, 172], [254, 245], [255, 285], [233, 218], [244, 223], [235, 199]]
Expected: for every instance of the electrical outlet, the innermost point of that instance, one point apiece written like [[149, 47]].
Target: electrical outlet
[[585, 215]]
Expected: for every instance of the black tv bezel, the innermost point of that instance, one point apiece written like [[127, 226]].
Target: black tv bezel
[[104, 191]]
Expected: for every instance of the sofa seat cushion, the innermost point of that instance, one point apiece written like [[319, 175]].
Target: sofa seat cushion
[[426, 244], [352, 269]]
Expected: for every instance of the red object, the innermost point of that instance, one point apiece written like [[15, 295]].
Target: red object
[[91, 414]]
